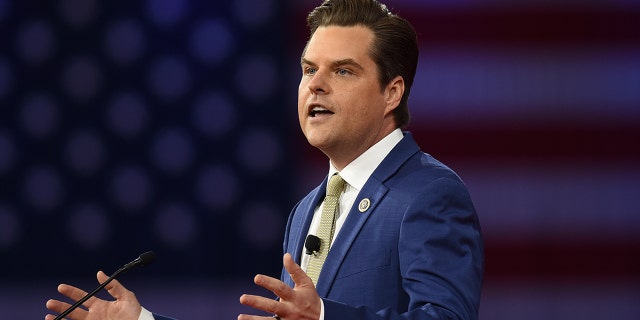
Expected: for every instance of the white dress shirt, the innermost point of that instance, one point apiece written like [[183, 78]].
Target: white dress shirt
[[145, 315]]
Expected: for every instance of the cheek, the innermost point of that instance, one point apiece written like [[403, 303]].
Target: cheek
[[301, 85], [301, 100], [301, 109], [364, 105]]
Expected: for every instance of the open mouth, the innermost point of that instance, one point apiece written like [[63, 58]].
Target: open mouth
[[318, 110]]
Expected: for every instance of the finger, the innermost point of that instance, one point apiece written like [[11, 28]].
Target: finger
[[274, 285], [250, 317], [59, 307], [299, 277], [75, 294], [260, 303], [115, 288], [102, 277], [50, 317]]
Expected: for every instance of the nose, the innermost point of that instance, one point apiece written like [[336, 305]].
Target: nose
[[318, 84]]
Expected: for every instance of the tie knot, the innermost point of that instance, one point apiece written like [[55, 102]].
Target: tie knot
[[336, 185]]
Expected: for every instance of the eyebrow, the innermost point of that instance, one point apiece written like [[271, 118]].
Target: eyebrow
[[337, 63]]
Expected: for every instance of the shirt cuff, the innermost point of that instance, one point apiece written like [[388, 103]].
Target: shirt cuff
[[145, 315], [321, 310]]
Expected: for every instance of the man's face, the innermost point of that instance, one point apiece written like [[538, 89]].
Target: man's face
[[341, 108]]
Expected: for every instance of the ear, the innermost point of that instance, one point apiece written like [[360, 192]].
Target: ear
[[393, 93]]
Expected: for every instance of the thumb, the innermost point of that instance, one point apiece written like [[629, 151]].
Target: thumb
[[299, 277]]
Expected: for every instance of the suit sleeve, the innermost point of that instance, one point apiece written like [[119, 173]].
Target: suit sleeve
[[441, 258]]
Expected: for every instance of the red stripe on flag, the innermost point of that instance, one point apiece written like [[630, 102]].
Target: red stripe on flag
[[508, 258], [530, 142]]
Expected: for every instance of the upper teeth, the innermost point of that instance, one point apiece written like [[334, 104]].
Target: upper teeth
[[316, 109]]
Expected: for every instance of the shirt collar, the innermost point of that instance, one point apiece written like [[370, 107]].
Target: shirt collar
[[359, 170]]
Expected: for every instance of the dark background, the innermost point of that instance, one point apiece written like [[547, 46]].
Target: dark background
[[170, 125]]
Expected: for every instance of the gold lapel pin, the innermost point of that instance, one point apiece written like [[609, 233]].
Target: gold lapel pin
[[364, 205]]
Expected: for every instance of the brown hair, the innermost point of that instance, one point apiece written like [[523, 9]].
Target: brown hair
[[395, 44]]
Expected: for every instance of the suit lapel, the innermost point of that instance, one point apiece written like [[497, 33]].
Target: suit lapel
[[374, 190], [299, 226], [308, 209]]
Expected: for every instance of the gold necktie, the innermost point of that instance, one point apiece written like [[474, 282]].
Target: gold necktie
[[327, 225]]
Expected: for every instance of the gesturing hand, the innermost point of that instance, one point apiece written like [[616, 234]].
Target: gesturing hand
[[300, 302], [126, 306]]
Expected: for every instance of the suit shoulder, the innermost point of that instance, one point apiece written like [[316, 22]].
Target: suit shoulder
[[425, 165]]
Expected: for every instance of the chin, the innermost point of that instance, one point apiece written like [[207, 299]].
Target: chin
[[319, 137], [318, 142]]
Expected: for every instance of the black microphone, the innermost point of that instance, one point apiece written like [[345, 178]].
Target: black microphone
[[312, 245], [143, 260]]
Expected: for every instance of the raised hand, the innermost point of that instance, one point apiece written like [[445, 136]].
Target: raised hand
[[126, 305], [300, 302]]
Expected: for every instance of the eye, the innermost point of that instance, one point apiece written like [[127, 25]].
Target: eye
[[309, 71], [343, 72]]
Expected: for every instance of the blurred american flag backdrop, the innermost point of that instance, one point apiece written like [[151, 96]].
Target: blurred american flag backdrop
[[165, 125]]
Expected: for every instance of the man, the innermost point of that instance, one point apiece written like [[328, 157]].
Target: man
[[407, 243], [398, 236]]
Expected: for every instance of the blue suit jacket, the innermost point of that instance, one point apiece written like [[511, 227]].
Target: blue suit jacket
[[415, 253]]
